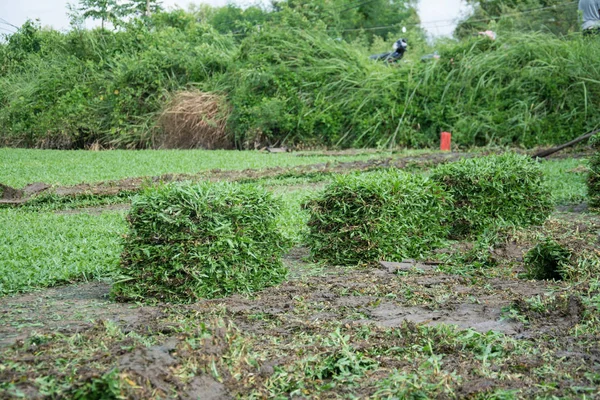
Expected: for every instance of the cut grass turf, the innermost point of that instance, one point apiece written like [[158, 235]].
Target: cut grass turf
[[566, 179], [18, 167], [44, 249]]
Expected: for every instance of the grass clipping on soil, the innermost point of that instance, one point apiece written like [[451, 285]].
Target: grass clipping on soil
[[384, 215], [191, 241], [594, 176], [492, 190], [195, 119]]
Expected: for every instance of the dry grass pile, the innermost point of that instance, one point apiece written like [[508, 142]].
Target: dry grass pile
[[194, 119]]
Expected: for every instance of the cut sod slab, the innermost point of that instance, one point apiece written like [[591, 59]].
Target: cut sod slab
[[191, 241], [384, 215], [499, 189]]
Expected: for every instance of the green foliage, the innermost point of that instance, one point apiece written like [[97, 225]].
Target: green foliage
[[492, 190], [187, 242], [385, 215], [303, 78], [88, 86], [104, 10], [593, 180], [557, 16], [509, 91], [547, 260], [292, 86], [47, 249], [105, 387]]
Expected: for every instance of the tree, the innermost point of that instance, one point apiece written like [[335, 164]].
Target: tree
[[104, 10], [349, 18], [139, 8]]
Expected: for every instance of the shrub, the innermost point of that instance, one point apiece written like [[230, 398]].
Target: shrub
[[547, 260], [594, 176], [207, 240], [506, 189], [387, 215]]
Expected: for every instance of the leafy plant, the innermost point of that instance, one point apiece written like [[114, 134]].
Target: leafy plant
[[105, 387], [492, 190], [189, 241], [387, 215]]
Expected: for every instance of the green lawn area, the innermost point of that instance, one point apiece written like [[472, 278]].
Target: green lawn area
[[19, 167], [39, 248], [46, 249], [567, 179]]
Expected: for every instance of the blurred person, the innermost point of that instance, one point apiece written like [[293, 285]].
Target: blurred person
[[590, 10]]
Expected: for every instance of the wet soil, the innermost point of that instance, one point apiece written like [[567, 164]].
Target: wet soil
[[65, 309], [418, 294], [243, 345]]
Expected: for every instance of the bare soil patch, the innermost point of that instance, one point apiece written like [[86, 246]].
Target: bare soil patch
[[40, 325]]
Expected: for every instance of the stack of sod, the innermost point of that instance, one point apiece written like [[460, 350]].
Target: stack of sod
[[206, 240], [384, 215], [594, 176], [492, 190]]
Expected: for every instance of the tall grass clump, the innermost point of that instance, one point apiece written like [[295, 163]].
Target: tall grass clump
[[302, 87], [498, 189], [384, 215], [523, 88], [207, 240], [81, 87], [593, 182]]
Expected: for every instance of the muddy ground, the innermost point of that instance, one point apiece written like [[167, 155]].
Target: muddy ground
[[387, 330]]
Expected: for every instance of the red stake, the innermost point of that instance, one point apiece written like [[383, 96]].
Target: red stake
[[445, 140]]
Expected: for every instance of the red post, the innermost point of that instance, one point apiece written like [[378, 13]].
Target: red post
[[445, 140]]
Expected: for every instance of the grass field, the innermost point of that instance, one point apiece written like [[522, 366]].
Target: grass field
[[19, 167], [476, 327]]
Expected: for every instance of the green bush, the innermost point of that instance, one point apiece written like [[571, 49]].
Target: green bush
[[205, 240], [80, 87], [292, 82], [594, 176], [504, 189], [384, 215], [547, 260]]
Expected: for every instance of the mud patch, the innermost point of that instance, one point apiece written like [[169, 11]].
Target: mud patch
[[67, 310], [96, 210], [479, 317]]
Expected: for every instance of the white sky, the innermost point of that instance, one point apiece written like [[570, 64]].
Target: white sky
[[436, 15]]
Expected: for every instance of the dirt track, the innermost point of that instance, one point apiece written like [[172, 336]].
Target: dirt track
[[12, 196]]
